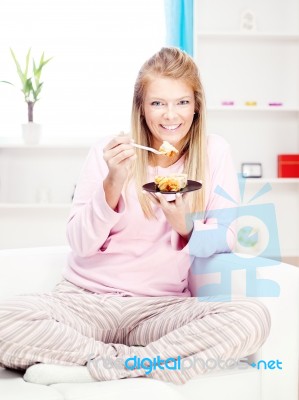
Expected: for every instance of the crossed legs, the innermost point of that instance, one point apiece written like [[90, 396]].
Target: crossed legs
[[71, 326]]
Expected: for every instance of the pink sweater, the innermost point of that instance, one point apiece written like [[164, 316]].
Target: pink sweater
[[123, 253]]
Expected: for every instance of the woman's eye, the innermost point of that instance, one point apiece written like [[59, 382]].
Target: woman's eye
[[184, 102], [156, 103]]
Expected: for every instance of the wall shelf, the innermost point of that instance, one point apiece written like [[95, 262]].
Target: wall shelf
[[224, 35], [279, 181], [35, 206], [253, 109], [58, 146]]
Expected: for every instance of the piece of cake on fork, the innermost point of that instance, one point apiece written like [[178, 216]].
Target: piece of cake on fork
[[168, 149]]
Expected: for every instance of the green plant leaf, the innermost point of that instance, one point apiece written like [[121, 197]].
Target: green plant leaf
[[28, 88], [46, 61], [38, 89], [42, 58], [38, 70], [41, 65], [36, 74], [19, 70], [27, 63]]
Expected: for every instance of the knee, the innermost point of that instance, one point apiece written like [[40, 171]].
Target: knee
[[15, 310], [258, 321]]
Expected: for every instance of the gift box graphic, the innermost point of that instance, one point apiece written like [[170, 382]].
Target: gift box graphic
[[257, 246]]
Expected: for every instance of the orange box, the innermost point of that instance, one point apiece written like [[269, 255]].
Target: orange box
[[288, 166]]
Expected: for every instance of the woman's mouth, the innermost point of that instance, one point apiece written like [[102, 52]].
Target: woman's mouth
[[171, 127]]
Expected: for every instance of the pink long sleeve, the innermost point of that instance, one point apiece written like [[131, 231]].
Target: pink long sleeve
[[125, 253], [91, 219]]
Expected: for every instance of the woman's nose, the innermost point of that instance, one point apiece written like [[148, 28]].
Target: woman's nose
[[170, 112]]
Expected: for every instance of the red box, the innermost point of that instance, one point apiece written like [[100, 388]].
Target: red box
[[288, 166]]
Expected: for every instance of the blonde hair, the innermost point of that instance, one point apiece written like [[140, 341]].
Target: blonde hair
[[170, 62]]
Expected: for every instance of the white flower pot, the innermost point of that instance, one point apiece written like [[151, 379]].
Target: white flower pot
[[31, 133]]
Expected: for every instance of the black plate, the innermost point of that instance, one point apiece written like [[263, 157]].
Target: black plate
[[191, 186]]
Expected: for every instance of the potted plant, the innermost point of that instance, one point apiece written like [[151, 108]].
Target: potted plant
[[31, 88]]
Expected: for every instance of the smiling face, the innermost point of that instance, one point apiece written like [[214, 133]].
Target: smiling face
[[169, 107]]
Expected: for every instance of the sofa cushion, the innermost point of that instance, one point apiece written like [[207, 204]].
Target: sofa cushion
[[229, 384], [234, 384], [124, 389], [13, 387]]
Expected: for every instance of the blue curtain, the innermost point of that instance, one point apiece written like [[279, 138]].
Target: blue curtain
[[179, 24]]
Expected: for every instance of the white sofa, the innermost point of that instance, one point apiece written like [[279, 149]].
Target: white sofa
[[38, 269]]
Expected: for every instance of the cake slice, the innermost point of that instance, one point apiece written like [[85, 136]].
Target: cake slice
[[168, 149], [171, 183]]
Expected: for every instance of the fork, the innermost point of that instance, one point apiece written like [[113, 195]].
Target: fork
[[148, 149]]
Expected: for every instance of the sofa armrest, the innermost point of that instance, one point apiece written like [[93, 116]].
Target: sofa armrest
[[277, 286], [283, 340], [28, 270]]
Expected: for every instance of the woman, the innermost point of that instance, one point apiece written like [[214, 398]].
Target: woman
[[125, 290]]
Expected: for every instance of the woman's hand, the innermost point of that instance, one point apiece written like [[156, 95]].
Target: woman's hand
[[174, 211], [118, 155]]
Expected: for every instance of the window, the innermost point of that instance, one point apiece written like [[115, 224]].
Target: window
[[97, 48]]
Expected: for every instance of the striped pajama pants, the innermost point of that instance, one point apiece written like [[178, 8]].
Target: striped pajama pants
[[72, 326]]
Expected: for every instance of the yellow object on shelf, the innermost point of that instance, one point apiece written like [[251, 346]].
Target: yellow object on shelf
[[250, 103]]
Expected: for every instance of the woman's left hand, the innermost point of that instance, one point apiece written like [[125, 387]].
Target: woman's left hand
[[175, 212]]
